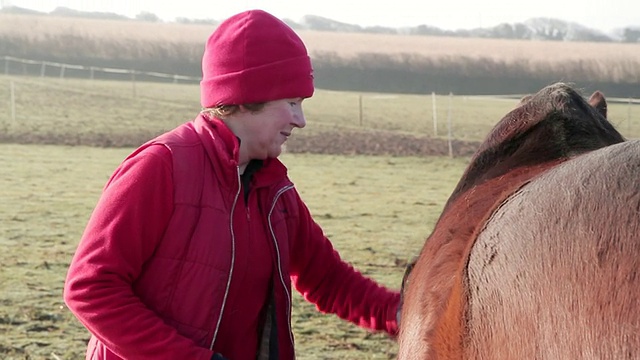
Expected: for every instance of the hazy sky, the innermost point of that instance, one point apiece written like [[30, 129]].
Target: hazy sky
[[445, 14]]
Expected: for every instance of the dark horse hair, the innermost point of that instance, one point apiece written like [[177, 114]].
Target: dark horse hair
[[556, 123], [546, 129]]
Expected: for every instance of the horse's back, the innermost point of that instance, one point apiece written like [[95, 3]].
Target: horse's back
[[555, 272]]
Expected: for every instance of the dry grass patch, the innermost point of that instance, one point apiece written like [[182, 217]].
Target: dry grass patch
[[121, 39]]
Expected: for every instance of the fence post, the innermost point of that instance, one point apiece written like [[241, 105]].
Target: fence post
[[43, 69], [13, 100], [629, 117], [62, 71], [434, 114], [449, 125], [6, 65], [360, 108], [91, 70], [133, 82]]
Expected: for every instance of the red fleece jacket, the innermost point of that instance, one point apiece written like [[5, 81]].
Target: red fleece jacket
[[173, 263]]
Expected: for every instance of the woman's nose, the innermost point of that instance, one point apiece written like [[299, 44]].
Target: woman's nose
[[299, 120]]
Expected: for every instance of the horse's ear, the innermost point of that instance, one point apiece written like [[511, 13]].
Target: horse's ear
[[525, 98], [598, 101]]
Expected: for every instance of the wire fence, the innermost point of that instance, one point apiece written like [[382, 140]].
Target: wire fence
[[19, 66], [51, 100]]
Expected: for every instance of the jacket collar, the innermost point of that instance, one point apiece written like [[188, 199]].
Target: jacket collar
[[223, 147]]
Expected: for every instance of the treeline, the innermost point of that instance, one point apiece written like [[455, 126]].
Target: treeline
[[548, 29]]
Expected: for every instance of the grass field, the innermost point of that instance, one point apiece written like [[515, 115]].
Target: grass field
[[376, 209]]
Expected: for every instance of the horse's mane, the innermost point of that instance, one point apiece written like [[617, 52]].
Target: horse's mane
[[555, 123]]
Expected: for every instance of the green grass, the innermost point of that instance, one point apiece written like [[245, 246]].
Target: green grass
[[77, 111], [376, 210]]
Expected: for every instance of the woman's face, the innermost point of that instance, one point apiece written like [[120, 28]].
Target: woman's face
[[263, 133]]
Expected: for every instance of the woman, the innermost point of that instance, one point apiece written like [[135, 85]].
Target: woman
[[192, 248]]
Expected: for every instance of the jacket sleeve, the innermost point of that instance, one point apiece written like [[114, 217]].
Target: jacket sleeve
[[333, 285], [122, 233]]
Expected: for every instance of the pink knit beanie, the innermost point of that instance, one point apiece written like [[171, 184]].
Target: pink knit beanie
[[254, 57]]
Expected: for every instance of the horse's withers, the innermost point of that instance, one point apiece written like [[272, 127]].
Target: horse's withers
[[555, 274]]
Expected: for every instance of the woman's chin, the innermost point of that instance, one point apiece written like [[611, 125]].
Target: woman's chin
[[276, 151]]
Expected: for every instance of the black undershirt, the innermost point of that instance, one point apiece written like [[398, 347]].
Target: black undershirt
[[247, 175]]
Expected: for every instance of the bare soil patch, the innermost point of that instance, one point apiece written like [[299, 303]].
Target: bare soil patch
[[349, 142]]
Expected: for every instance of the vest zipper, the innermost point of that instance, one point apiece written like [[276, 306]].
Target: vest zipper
[[233, 260], [275, 241]]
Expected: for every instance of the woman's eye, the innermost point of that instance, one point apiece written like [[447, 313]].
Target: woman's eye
[[295, 102]]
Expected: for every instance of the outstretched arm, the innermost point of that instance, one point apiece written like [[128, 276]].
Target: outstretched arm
[[333, 285]]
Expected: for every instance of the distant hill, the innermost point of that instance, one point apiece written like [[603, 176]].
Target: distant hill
[[63, 11], [532, 29]]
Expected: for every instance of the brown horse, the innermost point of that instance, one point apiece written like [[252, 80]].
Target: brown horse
[[536, 252]]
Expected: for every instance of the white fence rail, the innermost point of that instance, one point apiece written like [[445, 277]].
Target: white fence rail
[[92, 70]]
